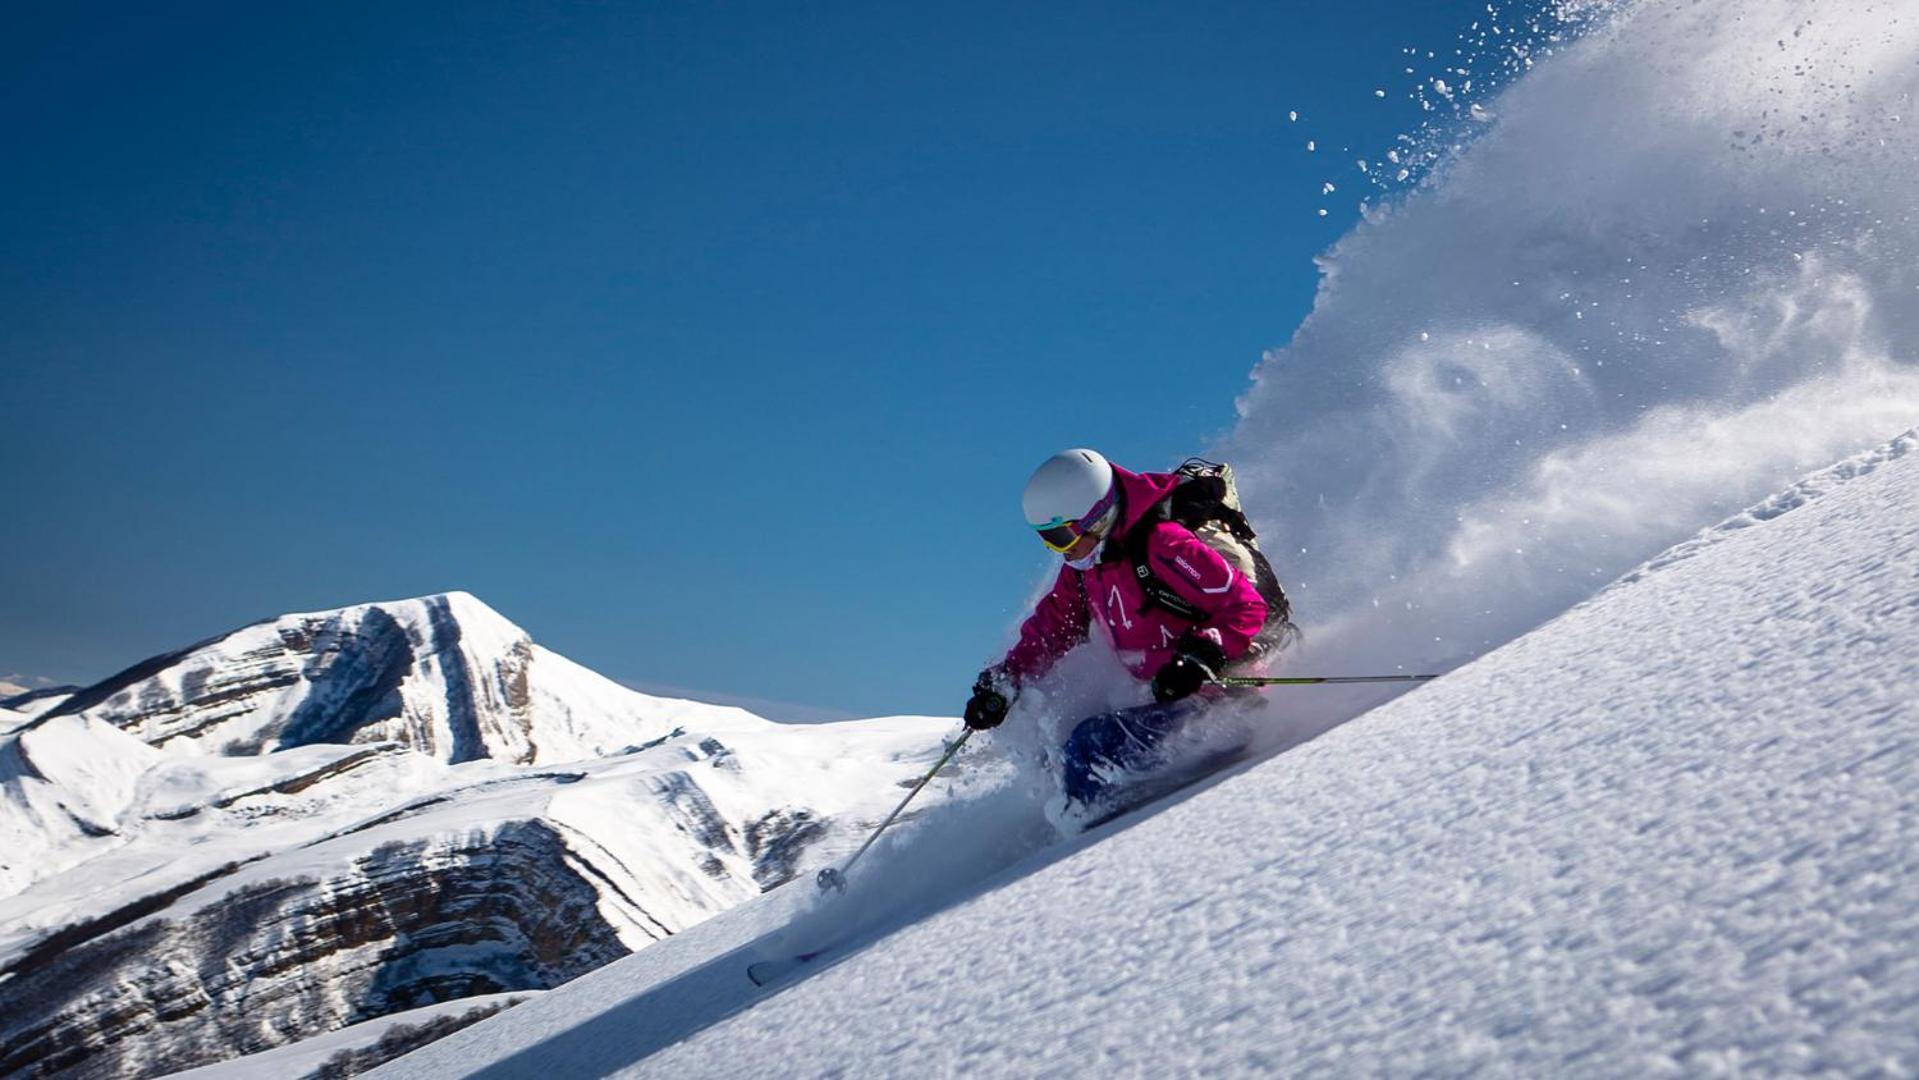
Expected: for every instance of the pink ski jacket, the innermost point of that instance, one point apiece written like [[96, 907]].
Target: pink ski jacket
[[1108, 595]]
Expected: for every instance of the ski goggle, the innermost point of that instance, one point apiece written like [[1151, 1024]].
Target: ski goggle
[[1060, 534]]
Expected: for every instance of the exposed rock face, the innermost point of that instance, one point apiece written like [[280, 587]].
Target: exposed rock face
[[322, 819], [414, 925]]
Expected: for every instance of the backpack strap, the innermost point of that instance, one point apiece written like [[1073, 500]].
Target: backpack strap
[[1133, 548]]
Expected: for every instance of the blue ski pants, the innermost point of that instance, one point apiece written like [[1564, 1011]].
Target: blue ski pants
[[1129, 739]]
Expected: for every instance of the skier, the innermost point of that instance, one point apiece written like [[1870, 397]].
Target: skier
[[1108, 525]]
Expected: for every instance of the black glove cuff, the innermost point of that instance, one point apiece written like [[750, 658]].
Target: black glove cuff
[[1203, 649], [1181, 676], [996, 680], [989, 704]]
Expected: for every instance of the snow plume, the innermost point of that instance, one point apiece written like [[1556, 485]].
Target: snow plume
[[1680, 269]]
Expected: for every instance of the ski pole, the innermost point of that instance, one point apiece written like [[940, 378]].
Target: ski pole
[[1250, 680], [830, 878]]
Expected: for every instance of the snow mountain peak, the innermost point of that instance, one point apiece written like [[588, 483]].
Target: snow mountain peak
[[443, 674]]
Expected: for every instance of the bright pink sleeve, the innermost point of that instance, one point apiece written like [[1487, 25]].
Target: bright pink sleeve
[[1051, 631], [1234, 610]]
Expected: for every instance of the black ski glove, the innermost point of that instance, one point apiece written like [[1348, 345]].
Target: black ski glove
[[1196, 661], [988, 706]]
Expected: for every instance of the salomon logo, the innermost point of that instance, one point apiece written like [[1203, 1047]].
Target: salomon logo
[[1193, 575]]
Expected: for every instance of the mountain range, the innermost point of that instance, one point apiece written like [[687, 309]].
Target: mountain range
[[324, 818]]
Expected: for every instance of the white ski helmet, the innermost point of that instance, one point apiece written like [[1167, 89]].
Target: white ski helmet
[[1070, 493]]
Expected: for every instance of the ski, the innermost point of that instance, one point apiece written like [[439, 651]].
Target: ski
[[767, 972], [1148, 792]]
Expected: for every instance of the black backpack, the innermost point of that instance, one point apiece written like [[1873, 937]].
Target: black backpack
[[1207, 502]]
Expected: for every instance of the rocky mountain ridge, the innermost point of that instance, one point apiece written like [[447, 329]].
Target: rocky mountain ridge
[[444, 675], [325, 818]]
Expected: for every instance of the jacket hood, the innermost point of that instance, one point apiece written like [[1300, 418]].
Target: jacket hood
[[1138, 494]]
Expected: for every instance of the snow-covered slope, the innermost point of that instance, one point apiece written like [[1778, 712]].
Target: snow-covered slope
[[271, 836], [1668, 833], [332, 1051]]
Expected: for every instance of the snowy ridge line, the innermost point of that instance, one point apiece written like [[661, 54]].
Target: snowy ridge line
[[291, 785], [1800, 494], [80, 699], [86, 698], [442, 673], [31, 696], [38, 955], [442, 798]]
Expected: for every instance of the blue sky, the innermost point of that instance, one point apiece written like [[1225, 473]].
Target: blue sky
[[710, 343]]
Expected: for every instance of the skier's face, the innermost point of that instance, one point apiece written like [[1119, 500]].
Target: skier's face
[[1081, 548]]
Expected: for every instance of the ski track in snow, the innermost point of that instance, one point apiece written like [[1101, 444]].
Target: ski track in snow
[[1666, 834]]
